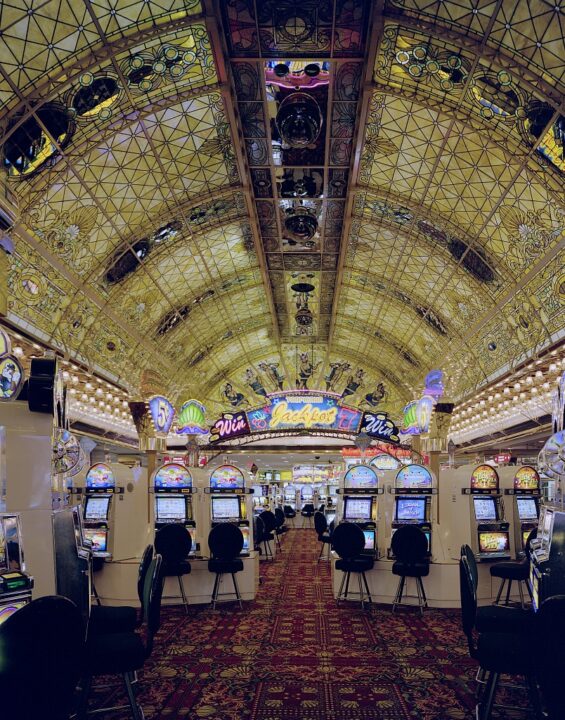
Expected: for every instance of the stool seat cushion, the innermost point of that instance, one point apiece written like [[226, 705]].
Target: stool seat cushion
[[416, 569], [267, 537], [506, 653], [502, 619], [112, 619], [511, 570], [225, 566], [180, 567], [360, 564], [114, 653]]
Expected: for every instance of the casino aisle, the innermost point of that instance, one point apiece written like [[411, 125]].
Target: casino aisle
[[292, 655]]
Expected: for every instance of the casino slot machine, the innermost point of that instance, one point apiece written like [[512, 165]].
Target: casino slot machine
[[547, 556], [526, 498], [358, 503], [15, 584], [413, 491], [490, 531], [173, 489], [230, 501]]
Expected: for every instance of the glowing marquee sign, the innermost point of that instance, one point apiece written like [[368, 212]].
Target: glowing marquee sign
[[162, 414], [304, 410], [417, 416]]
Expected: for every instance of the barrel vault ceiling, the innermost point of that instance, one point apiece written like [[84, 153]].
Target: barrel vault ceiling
[[156, 193]]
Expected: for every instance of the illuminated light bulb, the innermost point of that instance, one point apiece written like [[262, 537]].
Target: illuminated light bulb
[[88, 386], [73, 391], [18, 351], [545, 386], [529, 379], [506, 391], [517, 386], [539, 374], [534, 389], [74, 380], [99, 392], [552, 367]]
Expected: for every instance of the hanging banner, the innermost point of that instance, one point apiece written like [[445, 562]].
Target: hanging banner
[[229, 426]]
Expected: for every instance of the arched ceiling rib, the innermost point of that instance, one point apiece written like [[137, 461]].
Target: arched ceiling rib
[[153, 236]]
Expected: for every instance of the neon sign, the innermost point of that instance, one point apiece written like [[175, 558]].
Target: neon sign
[[192, 419], [380, 426], [162, 414], [230, 425], [433, 384], [299, 410], [417, 416]]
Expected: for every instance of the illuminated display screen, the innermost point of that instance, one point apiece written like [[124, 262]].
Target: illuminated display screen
[[491, 542], [411, 509], [357, 508], [370, 539], [170, 508], [485, 508], [96, 508], [10, 609], [245, 533], [100, 476], [361, 476], [98, 538], [173, 475], [526, 478], [225, 508], [227, 476], [484, 477], [414, 476], [525, 536], [526, 508]]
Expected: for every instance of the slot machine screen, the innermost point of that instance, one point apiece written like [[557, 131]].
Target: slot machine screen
[[98, 538], [245, 533], [410, 509], [493, 542], [169, 509], [370, 540], [10, 608], [485, 508], [357, 508], [96, 508], [527, 509], [225, 508], [307, 493]]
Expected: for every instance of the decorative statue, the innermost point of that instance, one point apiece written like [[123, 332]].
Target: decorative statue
[[353, 383], [254, 383], [272, 372], [337, 369], [234, 398], [376, 396], [305, 371]]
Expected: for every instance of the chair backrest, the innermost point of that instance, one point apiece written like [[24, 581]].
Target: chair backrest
[[289, 511], [322, 508], [468, 553], [41, 652], [225, 541], [409, 544], [152, 594], [348, 540], [173, 542], [259, 530], [550, 640], [269, 520], [468, 602], [320, 522], [143, 568], [280, 517], [308, 507]]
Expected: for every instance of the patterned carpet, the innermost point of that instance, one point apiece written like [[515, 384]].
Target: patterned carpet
[[293, 655]]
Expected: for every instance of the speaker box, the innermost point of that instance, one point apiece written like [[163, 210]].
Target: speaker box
[[40, 391]]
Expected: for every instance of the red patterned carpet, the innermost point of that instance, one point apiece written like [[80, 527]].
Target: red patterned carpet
[[293, 655]]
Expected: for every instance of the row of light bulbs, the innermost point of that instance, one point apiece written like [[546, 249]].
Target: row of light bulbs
[[527, 393]]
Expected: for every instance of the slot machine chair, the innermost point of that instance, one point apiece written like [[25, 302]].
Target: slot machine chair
[[121, 618], [496, 618], [42, 648], [174, 543], [125, 653], [497, 653], [410, 549], [550, 634], [225, 542], [264, 536], [324, 536], [518, 570], [289, 513], [281, 528], [270, 520], [348, 541], [307, 513]]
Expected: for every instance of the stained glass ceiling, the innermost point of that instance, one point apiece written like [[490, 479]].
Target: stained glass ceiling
[[165, 226]]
